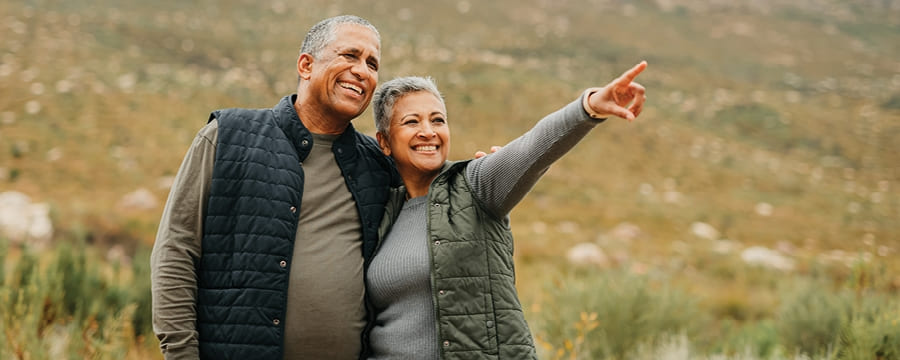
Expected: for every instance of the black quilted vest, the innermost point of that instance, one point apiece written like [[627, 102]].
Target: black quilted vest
[[251, 223]]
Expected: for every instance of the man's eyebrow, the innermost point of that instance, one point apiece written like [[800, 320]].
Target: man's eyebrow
[[357, 51]]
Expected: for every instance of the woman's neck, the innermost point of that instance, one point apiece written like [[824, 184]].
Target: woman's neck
[[417, 185]]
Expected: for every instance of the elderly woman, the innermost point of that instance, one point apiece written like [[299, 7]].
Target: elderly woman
[[442, 284]]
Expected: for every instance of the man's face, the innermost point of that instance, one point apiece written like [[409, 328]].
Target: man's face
[[345, 74]]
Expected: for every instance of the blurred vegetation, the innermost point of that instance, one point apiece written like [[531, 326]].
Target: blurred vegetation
[[774, 122], [616, 315], [69, 304], [609, 314]]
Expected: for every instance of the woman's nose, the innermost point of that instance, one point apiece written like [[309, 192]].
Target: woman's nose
[[426, 131]]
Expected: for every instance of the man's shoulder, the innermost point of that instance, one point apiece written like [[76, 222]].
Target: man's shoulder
[[229, 114], [368, 148], [238, 116], [210, 131], [366, 140]]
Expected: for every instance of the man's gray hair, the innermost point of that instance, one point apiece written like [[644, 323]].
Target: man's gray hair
[[388, 93], [324, 32]]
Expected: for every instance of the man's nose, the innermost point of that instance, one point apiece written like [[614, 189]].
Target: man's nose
[[361, 70]]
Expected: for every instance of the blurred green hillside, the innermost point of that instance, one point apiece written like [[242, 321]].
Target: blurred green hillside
[[775, 123]]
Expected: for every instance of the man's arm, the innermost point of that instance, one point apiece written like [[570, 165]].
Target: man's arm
[[177, 249]]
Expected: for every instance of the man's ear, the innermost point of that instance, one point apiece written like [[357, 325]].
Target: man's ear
[[383, 143], [304, 66]]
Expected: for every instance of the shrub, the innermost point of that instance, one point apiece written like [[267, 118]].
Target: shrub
[[755, 338], [873, 332], [810, 319], [608, 314], [893, 103], [68, 304]]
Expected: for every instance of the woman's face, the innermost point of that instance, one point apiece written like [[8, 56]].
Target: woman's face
[[419, 134]]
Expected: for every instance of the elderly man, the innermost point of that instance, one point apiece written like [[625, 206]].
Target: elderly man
[[273, 215]]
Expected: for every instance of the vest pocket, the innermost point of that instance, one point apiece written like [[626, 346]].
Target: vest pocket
[[468, 333], [466, 317]]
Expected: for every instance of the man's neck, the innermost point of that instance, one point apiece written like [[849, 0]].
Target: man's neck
[[318, 122]]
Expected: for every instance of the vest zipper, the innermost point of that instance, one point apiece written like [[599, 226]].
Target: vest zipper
[[434, 299]]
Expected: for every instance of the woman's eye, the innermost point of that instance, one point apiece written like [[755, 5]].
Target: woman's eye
[[439, 120]]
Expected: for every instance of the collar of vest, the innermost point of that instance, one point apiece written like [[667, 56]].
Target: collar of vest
[[398, 193], [286, 118], [448, 168]]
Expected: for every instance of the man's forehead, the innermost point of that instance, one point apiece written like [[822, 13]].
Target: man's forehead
[[357, 42], [359, 38], [358, 33]]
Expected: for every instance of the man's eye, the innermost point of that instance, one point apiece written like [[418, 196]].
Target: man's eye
[[439, 120]]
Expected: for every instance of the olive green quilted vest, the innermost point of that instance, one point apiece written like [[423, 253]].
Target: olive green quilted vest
[[472, 277]]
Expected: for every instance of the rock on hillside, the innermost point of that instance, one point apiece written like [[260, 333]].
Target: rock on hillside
[[24, 222]]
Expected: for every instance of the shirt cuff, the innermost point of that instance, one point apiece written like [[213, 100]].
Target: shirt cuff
[[587, 107], [190, 352]]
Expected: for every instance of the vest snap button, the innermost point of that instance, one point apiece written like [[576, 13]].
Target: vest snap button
[[490, 323], [276, 321], [446, 343], [438, 242], [441, 292], [293, 210], [304, 142], [283, 263]]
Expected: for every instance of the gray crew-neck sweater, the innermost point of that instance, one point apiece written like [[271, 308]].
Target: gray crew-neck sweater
[[399, 278]]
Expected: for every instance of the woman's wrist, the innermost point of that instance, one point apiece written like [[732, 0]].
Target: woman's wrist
[[586, 104]]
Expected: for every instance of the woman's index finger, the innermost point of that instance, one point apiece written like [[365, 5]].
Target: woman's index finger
[[629, 76]]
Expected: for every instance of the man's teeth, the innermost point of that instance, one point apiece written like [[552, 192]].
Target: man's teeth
[[426, 148], [351, 87]]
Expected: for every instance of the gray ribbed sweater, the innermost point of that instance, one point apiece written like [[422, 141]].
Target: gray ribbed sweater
[[399, 278]]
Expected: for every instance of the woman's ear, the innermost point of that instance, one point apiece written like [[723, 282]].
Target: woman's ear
[[383, 143]]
